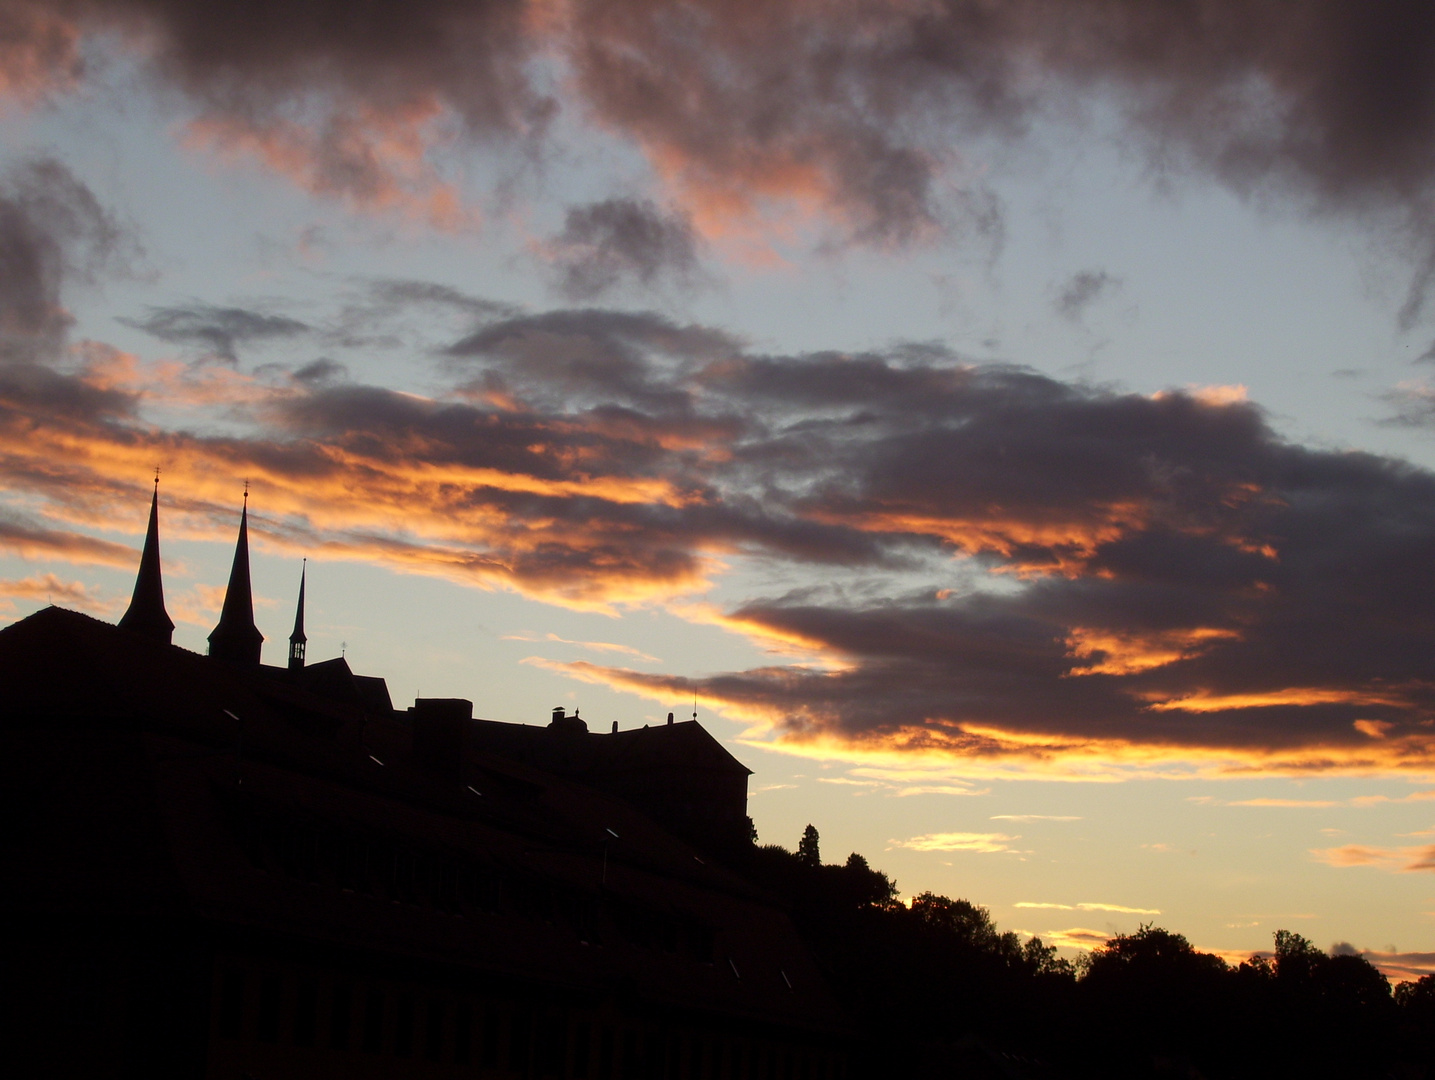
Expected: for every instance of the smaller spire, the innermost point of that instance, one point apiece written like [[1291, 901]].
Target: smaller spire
[[297, 640], [146, 615]]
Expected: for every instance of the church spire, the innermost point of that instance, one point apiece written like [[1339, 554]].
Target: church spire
[[236, 638], [297, 640], [146, 615]]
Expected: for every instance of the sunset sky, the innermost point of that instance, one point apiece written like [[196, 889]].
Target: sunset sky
[[1013, 420]]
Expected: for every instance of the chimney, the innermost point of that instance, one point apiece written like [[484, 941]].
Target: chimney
[[670, 719], [615, 727], [440, 727], [558, 714]]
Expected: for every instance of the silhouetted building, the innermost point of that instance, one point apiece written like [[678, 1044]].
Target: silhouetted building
[[677, 773], [231, 870]]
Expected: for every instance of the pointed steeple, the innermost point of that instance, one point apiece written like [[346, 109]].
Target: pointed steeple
[[146, 615], [236, 638], [297, 640]]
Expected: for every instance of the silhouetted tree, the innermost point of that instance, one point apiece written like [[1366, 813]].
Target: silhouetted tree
[[1167, 995], [808, 852], [1042, 959], [1295, 957], [1416, 1002], [934, 987], [1417, 999]]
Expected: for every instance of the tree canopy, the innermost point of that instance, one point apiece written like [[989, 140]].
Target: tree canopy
[[933, 986]]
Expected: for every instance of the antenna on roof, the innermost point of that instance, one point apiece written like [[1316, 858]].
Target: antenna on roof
[[695, 704]]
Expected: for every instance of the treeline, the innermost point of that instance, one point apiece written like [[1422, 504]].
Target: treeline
[[935, 989]]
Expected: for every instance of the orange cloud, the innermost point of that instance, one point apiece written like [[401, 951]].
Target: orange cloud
[[988, 843], [198, 605], [53, 590], [375, 159], [1376, 729], [39, 54], [33, 542], [976, 751], [1405, 860], [596, 646], [1119, 909], [1070, 543], [1117, 652], [393, 502], [1188, 663], [1205, 701], [1211, 395], [1076, 937]]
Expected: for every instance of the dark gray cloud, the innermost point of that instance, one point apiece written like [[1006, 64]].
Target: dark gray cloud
[[1176, 574], [388, 296], [1081, 290], [383, 312], [1331, 102], [1410, 406], [53, 231], [1187, 579], [855, 107], [596, 356], [320, 371], [606, 244], [998, 562], [218, 331], [567, 522], [37, 390], [31, 539]]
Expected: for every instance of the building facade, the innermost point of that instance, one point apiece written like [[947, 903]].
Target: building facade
[[224, 869]]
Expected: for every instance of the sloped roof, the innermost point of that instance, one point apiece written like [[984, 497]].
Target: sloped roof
[[681, 746]]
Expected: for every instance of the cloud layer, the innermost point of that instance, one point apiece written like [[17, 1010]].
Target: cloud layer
[[985, 562], [870, 118], [988, 563]]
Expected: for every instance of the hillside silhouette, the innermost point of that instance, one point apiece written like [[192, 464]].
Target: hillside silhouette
[[932, 988]]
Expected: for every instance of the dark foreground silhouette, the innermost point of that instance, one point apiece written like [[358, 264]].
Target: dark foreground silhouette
[[224, 869], [935, 989]]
